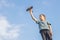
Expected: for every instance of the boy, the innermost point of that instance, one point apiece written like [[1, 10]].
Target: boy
[[44, 26]]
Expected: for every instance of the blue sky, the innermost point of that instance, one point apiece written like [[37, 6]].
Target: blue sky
[[16, 23]]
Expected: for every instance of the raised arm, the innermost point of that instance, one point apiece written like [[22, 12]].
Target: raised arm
[[30, 11]]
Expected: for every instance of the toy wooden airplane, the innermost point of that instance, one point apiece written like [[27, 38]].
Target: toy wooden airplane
[[29, 8]]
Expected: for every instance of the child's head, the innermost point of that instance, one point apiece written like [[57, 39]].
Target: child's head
[[42, 17]]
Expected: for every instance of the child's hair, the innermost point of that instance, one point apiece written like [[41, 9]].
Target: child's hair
[[43, 15]]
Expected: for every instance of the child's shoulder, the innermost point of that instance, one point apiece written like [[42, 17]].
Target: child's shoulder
[[48, 23]]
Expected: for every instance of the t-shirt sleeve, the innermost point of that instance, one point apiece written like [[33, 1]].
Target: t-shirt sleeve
[[37, 22], [48, 23]]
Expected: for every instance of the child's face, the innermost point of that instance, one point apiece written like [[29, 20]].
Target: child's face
[[42, 18]]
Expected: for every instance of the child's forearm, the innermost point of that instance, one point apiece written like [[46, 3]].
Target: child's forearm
[[50, 28], [33, 16]]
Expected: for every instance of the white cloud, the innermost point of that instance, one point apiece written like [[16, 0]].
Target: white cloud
[[5, 3], [8, 31]]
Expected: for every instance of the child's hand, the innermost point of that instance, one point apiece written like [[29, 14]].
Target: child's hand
[[51, 33], [30, 11]]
